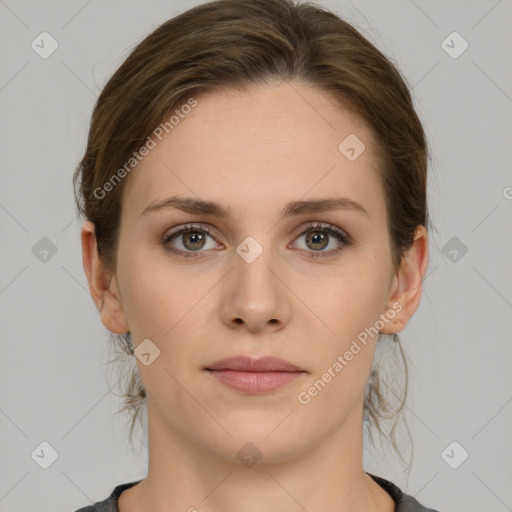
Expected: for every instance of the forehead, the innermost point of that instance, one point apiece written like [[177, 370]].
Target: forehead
[[266, 145]]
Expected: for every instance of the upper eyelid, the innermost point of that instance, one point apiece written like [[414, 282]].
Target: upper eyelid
[[210, 230]]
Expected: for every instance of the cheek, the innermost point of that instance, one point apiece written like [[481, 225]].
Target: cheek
[[162, 301], [342, 358], [351, 301], [349, 305], [149, 295]]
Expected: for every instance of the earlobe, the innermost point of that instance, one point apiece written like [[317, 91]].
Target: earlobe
[[104, 293], [408, 282]]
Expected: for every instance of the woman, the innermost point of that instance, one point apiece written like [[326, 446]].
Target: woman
[[254, 186]]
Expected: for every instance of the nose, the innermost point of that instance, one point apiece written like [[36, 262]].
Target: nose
[[255, 296]]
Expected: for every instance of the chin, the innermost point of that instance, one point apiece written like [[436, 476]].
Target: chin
[[258, 440], [248, 452]]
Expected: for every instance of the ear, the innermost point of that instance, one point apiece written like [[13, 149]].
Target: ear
[[104, 294], [407, 283]]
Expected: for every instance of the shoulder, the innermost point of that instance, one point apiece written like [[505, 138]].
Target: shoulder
[[110, 503], [404, 502]]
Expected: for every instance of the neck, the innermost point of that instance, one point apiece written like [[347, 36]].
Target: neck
[[185, 475]]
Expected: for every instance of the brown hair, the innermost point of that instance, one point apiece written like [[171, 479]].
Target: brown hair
[[235, 44]]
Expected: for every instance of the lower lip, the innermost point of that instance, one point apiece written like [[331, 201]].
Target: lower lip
[[254, 382]]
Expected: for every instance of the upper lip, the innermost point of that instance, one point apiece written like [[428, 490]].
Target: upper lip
[[248, 364]]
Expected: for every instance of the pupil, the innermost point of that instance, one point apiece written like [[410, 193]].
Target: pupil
[[318, 238], [194, 238]]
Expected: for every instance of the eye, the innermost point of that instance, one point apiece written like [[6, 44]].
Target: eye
[[319, 236], [192, 239]]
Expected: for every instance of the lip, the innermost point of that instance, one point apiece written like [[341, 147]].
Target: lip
[[248, 364], [254, 376]]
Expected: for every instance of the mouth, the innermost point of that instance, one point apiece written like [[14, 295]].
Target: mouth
[[254, 376]]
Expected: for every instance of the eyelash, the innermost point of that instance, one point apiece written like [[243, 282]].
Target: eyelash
[[342, 237]]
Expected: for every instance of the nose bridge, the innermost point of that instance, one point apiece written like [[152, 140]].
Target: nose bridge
[[255, 259], [256, 294]]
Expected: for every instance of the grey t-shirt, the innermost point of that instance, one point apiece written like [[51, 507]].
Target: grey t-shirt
[[403, 502]]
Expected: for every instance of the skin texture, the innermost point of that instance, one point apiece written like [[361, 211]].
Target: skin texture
[[254, 152]]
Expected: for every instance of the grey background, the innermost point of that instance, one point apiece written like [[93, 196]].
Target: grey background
[[54, 385]]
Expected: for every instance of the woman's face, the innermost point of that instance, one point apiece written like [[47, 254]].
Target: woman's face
[[257, 284]]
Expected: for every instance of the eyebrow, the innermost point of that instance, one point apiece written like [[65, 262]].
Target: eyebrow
[[291, 209]]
